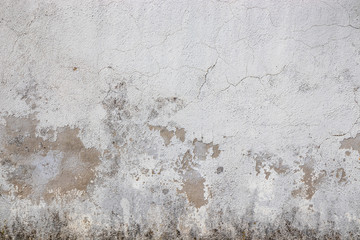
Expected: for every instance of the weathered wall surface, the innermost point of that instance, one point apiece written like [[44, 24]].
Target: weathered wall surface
[[180, 119]]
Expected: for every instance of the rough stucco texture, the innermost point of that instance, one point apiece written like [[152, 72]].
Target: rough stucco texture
[[180, 119]]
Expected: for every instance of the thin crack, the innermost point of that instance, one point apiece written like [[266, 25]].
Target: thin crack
[[205, 77], [357, 119], [258, 77]]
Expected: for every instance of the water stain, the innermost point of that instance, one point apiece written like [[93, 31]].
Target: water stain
[[42, 168]]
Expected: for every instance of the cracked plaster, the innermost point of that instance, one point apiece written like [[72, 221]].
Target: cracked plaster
[[179, 119]]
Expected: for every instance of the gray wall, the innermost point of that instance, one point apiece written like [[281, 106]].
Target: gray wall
[[179, 119]]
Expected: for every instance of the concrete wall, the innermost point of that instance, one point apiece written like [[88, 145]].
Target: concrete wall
[[179, 119]]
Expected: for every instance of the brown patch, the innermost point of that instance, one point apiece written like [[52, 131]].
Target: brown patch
[[193, 183], [267, 174], [186, 161], [265, 162], [41, 168], [193, 187], [351, 143], [311, 182], [164, 133], [180, 134], [347, 153], [341, 175], [75, 68], [201, 149], [216, 151], [279, 168], [258, 164]]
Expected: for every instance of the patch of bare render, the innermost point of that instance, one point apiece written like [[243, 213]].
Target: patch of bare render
[[167, 135], [269, 163], [351, 143], [41, 168], [193, 182], [166, 107], [180, 134], [341, 175], [201, 149], [311, 181], [164, 133]]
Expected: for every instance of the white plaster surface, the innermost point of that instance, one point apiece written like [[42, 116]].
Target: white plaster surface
[[208, 119]]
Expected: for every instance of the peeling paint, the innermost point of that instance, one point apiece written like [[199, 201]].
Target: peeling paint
[[41, 168], [351, 143], [311, 181]]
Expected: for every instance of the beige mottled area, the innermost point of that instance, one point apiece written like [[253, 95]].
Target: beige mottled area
[[192, 181], [311, 181], [185, 162], [267, 163], [41, 168], [341, 175]]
